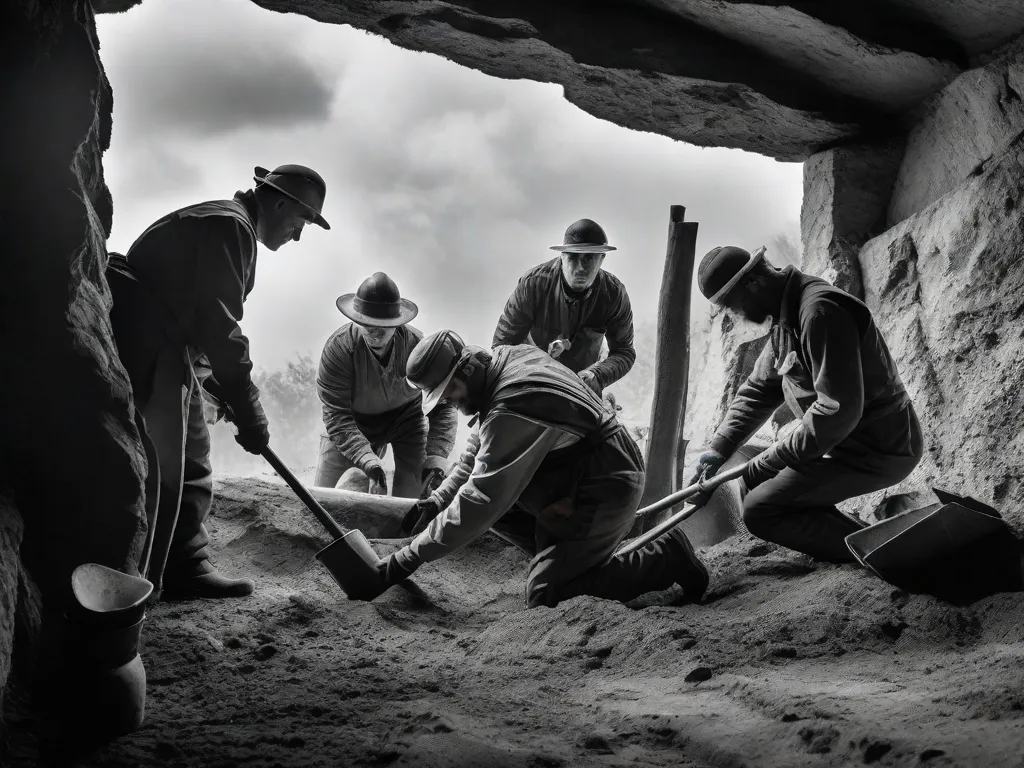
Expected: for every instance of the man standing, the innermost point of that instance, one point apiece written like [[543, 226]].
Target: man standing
[[827, 361], [177, 300], [568, 306], [548, 445], [368, 403]]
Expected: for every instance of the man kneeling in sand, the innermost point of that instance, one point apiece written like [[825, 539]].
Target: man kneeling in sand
[[549, 447]]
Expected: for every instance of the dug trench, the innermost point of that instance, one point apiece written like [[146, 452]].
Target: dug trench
[[786, 663]]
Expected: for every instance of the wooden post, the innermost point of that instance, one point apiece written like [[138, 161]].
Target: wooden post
[[671, 362]]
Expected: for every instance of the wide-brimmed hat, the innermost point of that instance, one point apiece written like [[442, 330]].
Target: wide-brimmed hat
[[722, 268], [433, 363], [377, 302], [584, 236], [301, 184]]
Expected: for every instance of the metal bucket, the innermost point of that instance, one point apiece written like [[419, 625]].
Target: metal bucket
[[353, 563]]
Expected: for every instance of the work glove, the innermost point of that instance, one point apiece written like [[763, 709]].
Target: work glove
[[591, 381], [756, 473], [378, 480], [419, 517], [708, 464], [398, 566], [253, 438], [431, 479], [558, 346]]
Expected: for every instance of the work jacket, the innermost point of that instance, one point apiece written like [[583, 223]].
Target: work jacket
[[198, 264], [542, 309], [356, 387], [828, 362], [538, 424]]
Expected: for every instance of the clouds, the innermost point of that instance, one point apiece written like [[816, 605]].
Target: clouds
[[453, 182]]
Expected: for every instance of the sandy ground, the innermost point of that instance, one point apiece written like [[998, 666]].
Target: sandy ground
[[787, 663]]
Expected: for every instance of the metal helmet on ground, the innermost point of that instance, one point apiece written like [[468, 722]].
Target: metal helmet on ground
[[432, 364], [301, 184], [722, 268], [584, 236], [377, 302]]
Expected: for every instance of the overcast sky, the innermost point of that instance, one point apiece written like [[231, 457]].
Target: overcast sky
[[452, 182]]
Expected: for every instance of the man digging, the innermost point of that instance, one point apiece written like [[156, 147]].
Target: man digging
[[368, 403], [177, 300], [548, 446], [826, 359], [569, 306]]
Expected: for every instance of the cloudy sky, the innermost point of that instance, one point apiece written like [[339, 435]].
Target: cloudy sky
[[452, 182]]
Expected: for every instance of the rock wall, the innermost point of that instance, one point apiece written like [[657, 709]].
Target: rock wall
[[965, 126], [947, 289], [70, 453]]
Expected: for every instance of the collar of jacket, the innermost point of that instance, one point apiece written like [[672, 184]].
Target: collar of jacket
[[248, 201]]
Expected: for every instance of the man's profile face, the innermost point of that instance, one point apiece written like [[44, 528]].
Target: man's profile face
[[580, 269], [457, 393], [747, 300], [281, 222]]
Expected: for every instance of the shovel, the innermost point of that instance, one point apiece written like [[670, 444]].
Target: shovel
[[673, 499], [349, 558]]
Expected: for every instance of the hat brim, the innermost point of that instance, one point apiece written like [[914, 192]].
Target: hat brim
[[406, 312], [433, 397], [755, 258], [585, 248], [260, 177]]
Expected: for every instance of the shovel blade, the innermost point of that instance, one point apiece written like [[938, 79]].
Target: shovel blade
[[353, 564]]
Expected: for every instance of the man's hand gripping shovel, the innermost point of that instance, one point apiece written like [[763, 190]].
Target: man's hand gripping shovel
[[349, 558], [704, 486]]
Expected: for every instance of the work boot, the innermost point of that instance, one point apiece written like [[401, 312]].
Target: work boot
[[691, 574], [203, 580]]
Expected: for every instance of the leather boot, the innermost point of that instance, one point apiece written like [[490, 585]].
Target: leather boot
[[667, 560], [203, 580]]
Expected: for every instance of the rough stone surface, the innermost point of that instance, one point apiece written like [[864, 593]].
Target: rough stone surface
[[70, 450], [846, 193], [947, 290], [10, 568], [967, 124], [781, 80]]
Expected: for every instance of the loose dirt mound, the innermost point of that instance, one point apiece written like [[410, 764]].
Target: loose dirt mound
[[788, 663]]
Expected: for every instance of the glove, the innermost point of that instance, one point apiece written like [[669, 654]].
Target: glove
[[558, 346], [253, 438], [398, 566], [419, 517], [756, 473], [591, 381], [431, 479], [378, 480], [708, 464]]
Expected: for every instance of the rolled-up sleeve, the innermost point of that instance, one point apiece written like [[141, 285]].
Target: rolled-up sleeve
[[831, 342], [511, 450]]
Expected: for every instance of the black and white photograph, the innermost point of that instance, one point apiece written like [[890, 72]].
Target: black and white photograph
[[537, 384]]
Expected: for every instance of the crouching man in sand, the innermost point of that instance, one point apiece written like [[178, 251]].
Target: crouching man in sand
[[826, 359], [548, 446]]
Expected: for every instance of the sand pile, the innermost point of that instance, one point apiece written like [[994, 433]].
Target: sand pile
[[788, 663]]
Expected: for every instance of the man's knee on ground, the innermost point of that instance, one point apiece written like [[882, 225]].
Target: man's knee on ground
[[760, 510]]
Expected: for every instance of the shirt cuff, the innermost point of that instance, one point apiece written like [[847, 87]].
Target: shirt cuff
[[723, 446], [368, 461]]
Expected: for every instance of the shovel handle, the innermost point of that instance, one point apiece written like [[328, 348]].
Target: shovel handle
[[304, 495], [682, 514]]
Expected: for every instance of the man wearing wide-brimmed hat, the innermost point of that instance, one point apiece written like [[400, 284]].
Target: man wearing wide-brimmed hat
[[177, 301], [549, 446], [569, 306], [827, 360], [367, 402]]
